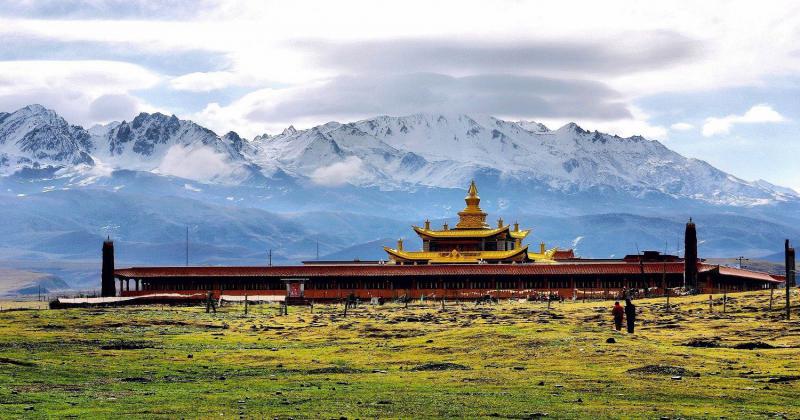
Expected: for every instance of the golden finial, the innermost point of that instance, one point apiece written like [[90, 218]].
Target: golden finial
[[427, 224], [499, 222], [541, 247], [473, 190], [516, 226], [472, 217], [400, 244], [445, 227]]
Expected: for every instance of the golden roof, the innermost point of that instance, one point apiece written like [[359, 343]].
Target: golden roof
[[455, 256], [519, 234], [472, 217], [544, 257], [470, 233]]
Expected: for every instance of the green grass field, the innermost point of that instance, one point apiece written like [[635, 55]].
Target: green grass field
[[512, 360]]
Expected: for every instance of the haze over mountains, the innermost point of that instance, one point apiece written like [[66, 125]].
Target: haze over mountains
[[346, 184]]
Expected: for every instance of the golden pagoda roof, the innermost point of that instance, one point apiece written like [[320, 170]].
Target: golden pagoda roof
[[470, 233], [454, 256], [472, 217], [519, 234], [545, 257]]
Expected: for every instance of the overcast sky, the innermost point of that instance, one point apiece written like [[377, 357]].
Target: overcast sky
[[718, 81]]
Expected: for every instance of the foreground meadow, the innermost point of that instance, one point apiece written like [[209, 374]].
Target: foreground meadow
[[511, 360]]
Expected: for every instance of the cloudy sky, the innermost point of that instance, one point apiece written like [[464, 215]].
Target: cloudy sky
[[719, 81]]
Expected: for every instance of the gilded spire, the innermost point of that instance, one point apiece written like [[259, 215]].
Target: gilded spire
[[472, 217], [473, 190]]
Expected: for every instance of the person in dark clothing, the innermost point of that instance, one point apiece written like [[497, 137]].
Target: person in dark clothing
[[630, 315], [617, 312]]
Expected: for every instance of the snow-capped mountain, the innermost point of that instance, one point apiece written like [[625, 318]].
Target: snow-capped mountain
[[446, 151], [168, 145], [390, 153], [34, 137]]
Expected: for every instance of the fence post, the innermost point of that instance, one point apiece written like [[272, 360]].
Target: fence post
[[725, 301], [771, 294]]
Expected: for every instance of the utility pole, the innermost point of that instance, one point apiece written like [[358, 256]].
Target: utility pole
[[664, 275], [270, 257], [741, 260], [789, 263], [187, 245]]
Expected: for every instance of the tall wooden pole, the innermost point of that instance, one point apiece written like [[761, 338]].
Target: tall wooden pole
[[788, 288], [187, 245], [789, 264]]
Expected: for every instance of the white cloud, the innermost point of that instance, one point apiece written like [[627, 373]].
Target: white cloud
[[761, 113], [681, 126], [638, 125], [197, 164], [206, 82], [95, 77], [190, 187], [84, 91], [339, 173], [630, 127]]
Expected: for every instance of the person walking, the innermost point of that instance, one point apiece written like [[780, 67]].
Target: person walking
[[618, 313], [630, 315]]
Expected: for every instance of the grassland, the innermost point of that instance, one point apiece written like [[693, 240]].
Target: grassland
[[512, 360]]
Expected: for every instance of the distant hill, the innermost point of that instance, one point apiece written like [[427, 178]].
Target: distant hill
[[372, 251], [20, 282], [765, 266]]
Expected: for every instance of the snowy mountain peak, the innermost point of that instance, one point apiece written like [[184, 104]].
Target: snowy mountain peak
[[572, 127], [533, 126], [290, 130], [36, 109], [36, 137]]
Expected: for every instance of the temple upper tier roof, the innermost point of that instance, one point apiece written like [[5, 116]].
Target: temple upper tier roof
[[471, 233], [457, 257]]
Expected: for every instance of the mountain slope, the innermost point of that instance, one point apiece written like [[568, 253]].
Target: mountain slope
[[446, 151], [389, 153], [35, 137]]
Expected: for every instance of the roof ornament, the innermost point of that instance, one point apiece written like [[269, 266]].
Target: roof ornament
[[472, 217], [472, 192]]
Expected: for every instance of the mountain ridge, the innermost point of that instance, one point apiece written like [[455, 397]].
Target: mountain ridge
[[431, 150]]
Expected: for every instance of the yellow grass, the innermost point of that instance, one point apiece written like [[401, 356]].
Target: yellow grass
[[512, 360]]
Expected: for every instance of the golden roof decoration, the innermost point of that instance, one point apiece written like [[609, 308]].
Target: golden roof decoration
[[470, 233], [454, 256], [472, 217]]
